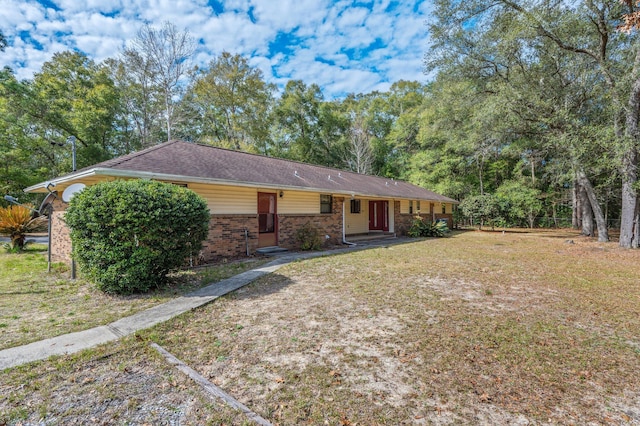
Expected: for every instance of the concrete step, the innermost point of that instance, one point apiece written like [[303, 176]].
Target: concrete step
[[270, 250]]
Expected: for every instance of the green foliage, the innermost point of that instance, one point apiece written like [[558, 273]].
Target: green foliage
[[308, 236], [480, 208], [18, 221], [424, 228], [127, 235], [519, 204], [232, 103]]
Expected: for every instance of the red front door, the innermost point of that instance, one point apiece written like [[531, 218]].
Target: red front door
[[378, 215], [267, 220]]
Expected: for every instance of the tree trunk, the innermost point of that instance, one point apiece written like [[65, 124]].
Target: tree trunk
[[629, 198], [587, 213], [576, 211], [603, 232], [629, 169], [636, 233]]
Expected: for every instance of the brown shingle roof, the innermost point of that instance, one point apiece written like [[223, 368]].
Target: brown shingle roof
[[196, 161]]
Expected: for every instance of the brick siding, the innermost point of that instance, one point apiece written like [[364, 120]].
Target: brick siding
[[403, 221], [328, 224], [226, 237], [60, 240]]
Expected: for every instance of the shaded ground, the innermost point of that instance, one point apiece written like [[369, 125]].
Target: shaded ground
[[35, 305], [480, 328]]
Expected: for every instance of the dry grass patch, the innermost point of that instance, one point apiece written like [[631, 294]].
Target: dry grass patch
[[35, 305], [480, 328], [121, 383]]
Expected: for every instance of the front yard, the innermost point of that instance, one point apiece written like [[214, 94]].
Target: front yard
[[479, 328], [35, 305]]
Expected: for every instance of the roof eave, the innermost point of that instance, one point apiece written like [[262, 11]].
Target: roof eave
[[105, 171]]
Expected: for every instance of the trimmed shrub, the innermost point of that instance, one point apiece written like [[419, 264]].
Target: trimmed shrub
[[422, 228], [127, 235], [309, 237]]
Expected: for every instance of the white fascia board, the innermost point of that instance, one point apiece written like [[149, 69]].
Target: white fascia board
[[42, 186], [101, 171]]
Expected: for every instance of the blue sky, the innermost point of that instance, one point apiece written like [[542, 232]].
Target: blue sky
[[343, 46]]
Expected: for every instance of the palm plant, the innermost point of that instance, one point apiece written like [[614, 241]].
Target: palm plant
[[16, 222]]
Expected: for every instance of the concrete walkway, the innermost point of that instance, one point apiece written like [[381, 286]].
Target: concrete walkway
[[78, 341]]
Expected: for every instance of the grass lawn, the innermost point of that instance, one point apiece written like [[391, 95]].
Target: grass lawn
[[480, 328], [35, 304]]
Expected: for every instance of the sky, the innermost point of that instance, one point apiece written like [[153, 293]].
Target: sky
[[343, 46]]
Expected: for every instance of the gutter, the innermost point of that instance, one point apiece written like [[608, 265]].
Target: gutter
[[117, 173]]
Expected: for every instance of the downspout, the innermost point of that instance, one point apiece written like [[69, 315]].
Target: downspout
[[344, 231], [49, 239], [246, 240]]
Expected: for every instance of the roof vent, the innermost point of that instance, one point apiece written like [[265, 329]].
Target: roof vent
[[329, 177], [396, 183], [339, 174], [295, 173], [386, 183]]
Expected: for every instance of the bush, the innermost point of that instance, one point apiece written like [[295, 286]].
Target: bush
[[127, 235], [17, 221], [422, 228], [309, 237]]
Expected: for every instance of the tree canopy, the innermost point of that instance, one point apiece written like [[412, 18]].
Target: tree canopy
[[532, 105]]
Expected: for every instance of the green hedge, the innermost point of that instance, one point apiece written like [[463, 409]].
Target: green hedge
[[127, 235]]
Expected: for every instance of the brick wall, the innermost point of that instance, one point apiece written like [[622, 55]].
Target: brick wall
[[227, 236], [226, 233], [403, 221], [60, 240], [447, 216], [328, 224]]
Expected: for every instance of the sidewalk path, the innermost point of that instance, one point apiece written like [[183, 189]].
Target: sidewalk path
[[75, 342]]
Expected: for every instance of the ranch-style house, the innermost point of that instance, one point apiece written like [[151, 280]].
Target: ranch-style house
[[257, 201]]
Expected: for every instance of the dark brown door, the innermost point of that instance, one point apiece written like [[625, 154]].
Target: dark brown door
[[378, 215], [267, 220]]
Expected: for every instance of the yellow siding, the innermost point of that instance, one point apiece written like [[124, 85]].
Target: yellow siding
[[356, 223], [298, 202], [228, 199], [404, 206]]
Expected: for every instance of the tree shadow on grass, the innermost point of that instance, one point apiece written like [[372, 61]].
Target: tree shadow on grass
[[264, 286]]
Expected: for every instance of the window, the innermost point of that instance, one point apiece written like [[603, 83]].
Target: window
[[444, 209], [325, 203], [355, 206], [418, 206], [410, 206]]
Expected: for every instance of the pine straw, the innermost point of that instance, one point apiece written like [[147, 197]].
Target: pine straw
[[480, 328]]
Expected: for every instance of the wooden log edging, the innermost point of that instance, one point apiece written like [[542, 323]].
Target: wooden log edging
[[210, 387]]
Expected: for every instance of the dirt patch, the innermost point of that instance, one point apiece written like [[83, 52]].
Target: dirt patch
[[481, 328]]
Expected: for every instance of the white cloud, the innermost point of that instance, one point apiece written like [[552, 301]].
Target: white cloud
[[341, 47]]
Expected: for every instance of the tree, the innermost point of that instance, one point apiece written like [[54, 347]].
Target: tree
[[70, 96], [232, 103], [127, 235], [359, 151], [519, 203], [160, 57], [297, 121], [552, 70], [483, 208], [141, 106]]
